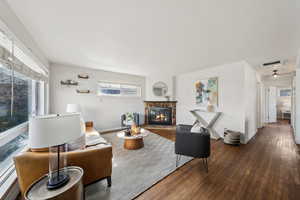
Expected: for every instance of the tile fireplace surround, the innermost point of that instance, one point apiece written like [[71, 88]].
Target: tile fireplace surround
[[160, 104]]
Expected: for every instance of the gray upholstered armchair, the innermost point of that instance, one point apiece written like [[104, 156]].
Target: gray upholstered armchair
[[191, 144]]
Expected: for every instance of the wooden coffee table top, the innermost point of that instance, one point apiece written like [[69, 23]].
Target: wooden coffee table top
[[143, 134]]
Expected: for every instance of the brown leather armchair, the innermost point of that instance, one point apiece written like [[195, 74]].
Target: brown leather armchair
[[96, 161]]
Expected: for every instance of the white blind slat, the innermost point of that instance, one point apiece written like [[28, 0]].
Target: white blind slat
[[20, 61]]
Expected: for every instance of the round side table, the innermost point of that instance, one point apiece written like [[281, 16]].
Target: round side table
[[72, 190], [135, 141]]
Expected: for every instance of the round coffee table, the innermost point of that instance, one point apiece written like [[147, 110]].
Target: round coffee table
[[135, 141]]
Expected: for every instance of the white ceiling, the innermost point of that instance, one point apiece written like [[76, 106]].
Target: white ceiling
[[165, 36]]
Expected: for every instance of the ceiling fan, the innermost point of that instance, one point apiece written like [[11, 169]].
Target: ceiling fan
[[275, 73]]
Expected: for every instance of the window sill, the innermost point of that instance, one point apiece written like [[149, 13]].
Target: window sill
[[12, 133], [8, 178], [7, 184]]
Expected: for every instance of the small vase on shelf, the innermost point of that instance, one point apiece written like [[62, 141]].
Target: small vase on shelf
[[210, 107]]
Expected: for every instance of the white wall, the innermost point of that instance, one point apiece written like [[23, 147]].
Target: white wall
[[297, 105], [167, 79], [260, 100], [105, 112], [237, 97], [250, 93], [293, 101], [263, 113], [231, 96], [296, 82]]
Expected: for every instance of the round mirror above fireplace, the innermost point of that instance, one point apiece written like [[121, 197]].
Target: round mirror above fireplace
[[160, 89]]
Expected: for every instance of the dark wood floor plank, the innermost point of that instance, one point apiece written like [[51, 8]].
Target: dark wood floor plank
[[268, 167]]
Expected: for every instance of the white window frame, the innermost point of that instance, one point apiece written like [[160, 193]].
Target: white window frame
[[8, 174], [286, 88], [139, 95], [12, 133], [7, 181], [8, 177]]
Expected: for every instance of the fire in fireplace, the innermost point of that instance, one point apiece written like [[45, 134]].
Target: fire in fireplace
[[160, 116], [160, 112]]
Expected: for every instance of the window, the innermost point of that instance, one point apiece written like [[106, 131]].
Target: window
[[10, 149], [14, 101], [285, 92], [21, 89], [5, 98], [115, 89], [17, 103]]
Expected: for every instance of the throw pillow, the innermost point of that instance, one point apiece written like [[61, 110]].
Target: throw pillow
[[77, 144], [197, 128], [94, 139]]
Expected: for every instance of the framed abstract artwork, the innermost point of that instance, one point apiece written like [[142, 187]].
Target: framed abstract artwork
[[207, 92]]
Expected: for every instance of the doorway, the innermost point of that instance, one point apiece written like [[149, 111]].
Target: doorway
[[284, 104]]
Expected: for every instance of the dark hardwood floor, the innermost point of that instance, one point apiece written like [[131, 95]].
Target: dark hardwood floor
[[268, 167], [167, 133]]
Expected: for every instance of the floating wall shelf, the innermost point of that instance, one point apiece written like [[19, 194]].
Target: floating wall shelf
[[69, 83], [83, 91], [83, 76]]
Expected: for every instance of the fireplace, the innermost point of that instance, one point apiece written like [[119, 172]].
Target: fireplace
[[160, 112], [160, 116]]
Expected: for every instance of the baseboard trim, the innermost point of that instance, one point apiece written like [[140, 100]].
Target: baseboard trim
[[111, 130]]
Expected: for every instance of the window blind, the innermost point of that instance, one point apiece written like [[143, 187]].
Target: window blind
[[15, 58]]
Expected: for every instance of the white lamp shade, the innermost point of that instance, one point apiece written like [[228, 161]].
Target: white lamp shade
[[52, 130], [73, 108]]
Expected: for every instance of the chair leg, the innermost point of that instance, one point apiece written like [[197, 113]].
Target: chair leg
[[108, 181], [177, 160], [205, 164]]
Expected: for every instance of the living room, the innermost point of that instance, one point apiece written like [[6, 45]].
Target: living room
[[149, 99]]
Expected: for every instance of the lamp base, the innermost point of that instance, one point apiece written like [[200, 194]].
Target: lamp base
[[58, 180]]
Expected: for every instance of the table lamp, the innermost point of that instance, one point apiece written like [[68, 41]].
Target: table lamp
[[76, 108], [73, 108], [54, 131]]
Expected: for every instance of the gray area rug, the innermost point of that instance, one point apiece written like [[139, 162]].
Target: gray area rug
[[134, 171]]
